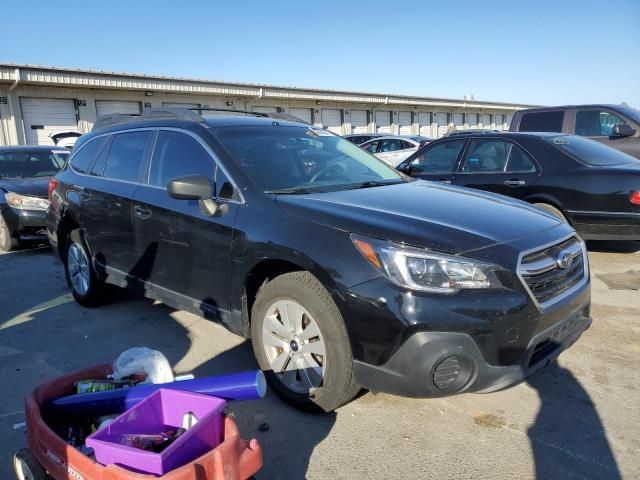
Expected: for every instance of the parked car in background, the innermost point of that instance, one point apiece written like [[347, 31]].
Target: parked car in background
[[617, 126], [394, 149], [342, 271], [360, 138], [24, 177], [593, 187], [65, 138]]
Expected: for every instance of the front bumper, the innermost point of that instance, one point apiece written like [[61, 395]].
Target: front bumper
[[26, 224], [422, 366]]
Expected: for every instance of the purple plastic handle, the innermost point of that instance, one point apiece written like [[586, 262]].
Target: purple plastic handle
[[234, 386]]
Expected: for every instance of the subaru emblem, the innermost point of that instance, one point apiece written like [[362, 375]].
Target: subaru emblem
[[564, 259]]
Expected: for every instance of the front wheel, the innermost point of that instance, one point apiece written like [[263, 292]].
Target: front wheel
[[7, 241], [85, 285], [301, 343]]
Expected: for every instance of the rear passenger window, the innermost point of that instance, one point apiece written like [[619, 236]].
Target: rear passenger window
[[177, 154], [486, 156], [125, 156], [83, 158], [519, 161], [541, 122], [440, 158]]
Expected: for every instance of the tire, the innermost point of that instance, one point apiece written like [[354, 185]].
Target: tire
[[86, 287], [311, 356], [26, 467], [550, 209], [7, 241]]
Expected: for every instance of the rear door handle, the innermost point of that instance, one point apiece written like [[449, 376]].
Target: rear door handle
[[142, 212], [514, 183]]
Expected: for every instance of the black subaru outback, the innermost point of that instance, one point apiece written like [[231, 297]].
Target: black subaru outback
[[344, 272]]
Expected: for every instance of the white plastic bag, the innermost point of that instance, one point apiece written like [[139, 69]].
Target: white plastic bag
[[143, 360]]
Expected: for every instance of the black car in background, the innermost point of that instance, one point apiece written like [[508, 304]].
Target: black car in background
[[24, 178], [593, 187], [342, 271], [617, 126]]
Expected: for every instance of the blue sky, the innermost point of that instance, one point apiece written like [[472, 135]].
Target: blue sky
[[537, 52]]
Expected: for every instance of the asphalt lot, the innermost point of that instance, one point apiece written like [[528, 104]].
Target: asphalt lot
[[577, 419]]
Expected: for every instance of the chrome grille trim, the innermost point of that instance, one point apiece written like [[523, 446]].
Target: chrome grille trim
[[554, 283]]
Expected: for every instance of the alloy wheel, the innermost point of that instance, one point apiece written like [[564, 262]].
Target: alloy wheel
[[294, 346], [78, 266]]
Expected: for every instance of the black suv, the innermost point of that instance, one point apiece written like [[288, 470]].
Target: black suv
[[617, 126], [344, 272]]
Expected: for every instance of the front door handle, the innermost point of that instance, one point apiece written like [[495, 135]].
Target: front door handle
[[142, 212], [514, 183]]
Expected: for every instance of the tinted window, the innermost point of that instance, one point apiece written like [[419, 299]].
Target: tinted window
[[391, 145], [125, 156], [441, 158], [590, 151], [30, 164], [224, 188], [83, 158], [596, 123], [307, 158], [518, 160], [177, 154], [486, 156], [542, 122]]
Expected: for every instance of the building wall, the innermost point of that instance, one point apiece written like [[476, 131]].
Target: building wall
[[90, 87]]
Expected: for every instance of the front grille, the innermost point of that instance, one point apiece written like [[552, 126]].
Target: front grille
[[554, 270]]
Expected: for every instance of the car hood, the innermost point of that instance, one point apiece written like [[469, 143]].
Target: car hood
[[424, 214], [34, 187]]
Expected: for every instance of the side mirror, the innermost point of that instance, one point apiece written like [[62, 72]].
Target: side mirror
[[622, 130], [405, 168], [191, 187], [197, 187]]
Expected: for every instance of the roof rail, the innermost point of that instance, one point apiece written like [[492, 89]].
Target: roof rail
[[478, 131], [186, 114]]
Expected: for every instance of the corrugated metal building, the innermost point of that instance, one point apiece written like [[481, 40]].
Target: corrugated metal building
[[36, 101]]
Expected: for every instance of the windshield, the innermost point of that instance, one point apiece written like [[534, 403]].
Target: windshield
[[589, 151], [632, 113], [31, 163], [281, 159]]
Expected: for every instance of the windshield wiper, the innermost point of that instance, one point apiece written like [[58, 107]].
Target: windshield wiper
[[290, 191], [376, 183]]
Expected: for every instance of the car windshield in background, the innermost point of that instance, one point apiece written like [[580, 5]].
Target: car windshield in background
[[281, 159], [31, 164], [590, 152], [632, 113]]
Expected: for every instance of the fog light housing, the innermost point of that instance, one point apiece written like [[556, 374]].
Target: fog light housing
[[452, 373]]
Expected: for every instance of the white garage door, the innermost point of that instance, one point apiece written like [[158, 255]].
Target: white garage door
[[109, 107], [424, 120], [180, 105], [359, 121], [472, 120], [303, 114], [486, 120], [499, 119], [265, 109], [383, 121], [441, 120], [458, 121], [332, 120], [404, 121], [44, 116]]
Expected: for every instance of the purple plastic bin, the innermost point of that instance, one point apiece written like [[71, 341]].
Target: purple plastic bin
[[151, 416]]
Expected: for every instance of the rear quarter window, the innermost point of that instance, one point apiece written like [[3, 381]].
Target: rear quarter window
[[541, 122]]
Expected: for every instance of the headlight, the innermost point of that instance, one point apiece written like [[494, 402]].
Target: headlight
[[425, 270], [22, 202]]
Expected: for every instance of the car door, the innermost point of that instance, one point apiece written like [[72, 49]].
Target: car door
[[437, 161], [106, 195], [597, 124], [183, 252], [497, 165], [371, 146]]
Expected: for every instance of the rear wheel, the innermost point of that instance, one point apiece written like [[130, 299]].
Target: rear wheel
[[85, 285], [7, 241], [301, 342], [551, 210], [27, 467]]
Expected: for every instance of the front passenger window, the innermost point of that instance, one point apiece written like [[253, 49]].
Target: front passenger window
[[177, 154]]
